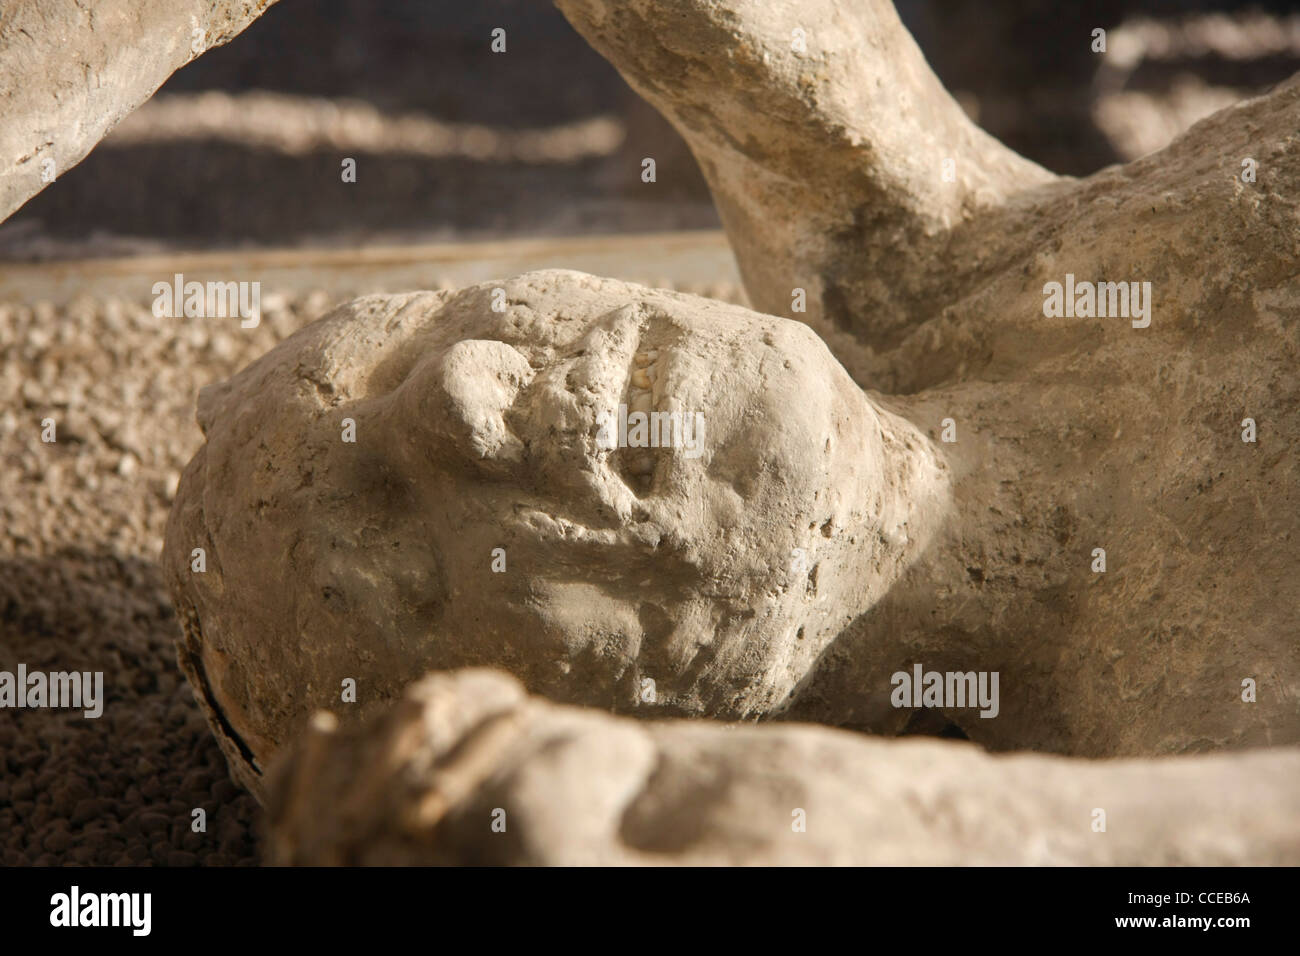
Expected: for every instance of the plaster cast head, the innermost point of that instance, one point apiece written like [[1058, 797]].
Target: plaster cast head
[[494, 508]]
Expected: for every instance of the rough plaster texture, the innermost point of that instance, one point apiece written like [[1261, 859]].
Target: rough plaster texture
[[477, 430], [70, 71], [827, 165], [467, 769], [371, 560], [823, 135]]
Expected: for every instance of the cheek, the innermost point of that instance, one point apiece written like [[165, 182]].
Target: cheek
[[573, 642], [727, 506]]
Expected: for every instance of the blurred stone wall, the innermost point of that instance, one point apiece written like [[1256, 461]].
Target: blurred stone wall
[[1024, 70]]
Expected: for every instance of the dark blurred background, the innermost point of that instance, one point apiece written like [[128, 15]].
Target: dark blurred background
[[243, 147]]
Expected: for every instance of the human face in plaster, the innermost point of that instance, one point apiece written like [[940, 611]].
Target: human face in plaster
[[718, 576]]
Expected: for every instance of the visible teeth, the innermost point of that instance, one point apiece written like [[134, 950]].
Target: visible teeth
[[641, 378], [642, 402], [642, 359]]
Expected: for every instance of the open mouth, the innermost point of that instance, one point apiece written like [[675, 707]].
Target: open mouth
[[642, 396]]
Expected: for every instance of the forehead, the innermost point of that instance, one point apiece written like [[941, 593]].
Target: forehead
[[556, 311], [371, 345]]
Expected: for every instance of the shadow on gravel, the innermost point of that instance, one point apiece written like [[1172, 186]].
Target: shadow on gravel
[[219, 193], [120, 789]]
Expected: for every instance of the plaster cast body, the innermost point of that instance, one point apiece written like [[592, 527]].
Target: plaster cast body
[[468, 770], [819, 544]]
